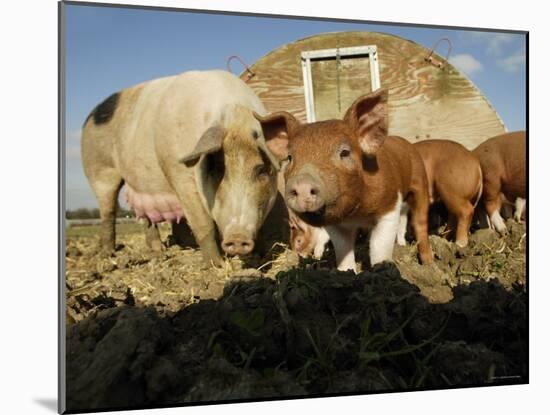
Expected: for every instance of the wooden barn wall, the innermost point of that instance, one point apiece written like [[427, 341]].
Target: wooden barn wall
[[425, 102]]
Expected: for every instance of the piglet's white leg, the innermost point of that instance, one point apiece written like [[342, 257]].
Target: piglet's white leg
[[520, 205], [498, 222], [343, 239], [322, 237], [402, 229], [383, 235]]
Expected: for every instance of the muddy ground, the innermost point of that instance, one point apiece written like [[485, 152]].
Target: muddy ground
[[151, 328]]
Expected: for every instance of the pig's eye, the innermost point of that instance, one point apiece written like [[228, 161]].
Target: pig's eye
[[261, 171], [289, 158], [344, 153]]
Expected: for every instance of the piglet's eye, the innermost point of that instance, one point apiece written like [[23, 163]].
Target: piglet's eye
[[344, 153], [289, 158]]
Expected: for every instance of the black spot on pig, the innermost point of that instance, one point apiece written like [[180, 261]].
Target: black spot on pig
[[104, 112]]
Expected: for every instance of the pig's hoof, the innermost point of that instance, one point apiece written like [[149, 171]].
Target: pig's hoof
[[502, 231], [348, 267], [463, 243], [157, 246]]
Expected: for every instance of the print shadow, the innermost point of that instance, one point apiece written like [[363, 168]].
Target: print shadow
[[48, 403]]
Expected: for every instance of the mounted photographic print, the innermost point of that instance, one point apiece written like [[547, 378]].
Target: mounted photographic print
[[260, 207]]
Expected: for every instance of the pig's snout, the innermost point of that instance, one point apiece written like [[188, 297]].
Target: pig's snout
[[237, 245], [304, 194]]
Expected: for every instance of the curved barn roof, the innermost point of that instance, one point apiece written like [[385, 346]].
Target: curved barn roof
[[424, 101]]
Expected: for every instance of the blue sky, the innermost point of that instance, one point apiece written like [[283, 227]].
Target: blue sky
[[108, 49]]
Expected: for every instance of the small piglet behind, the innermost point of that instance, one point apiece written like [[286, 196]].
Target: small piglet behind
[[503, 161], [349, 174], [305, 239], [454, 177]]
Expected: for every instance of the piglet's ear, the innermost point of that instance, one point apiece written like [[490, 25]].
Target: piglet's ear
[[368, 116], [277, 129]]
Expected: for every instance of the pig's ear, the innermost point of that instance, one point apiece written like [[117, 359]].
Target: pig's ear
[[295, 223], [368, 116], [210, 142], [292, 222], [277, 129]]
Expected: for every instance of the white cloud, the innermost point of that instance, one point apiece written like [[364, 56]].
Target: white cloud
[[513, 63], [466, 63], [495, 43]]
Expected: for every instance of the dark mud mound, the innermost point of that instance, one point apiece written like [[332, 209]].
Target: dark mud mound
[[306, 332]]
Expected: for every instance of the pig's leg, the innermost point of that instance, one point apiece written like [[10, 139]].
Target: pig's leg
[[383, 235], [106, 186], [402, 230], [496, 218], [152, 236], [204, 230], [520, 205], [343, 240], [198, 219], [452, 223], [322, 237], [464, 220], [420, 205], [493, 205], [506, 209], [481, 217], [464, 212], [492, 199]]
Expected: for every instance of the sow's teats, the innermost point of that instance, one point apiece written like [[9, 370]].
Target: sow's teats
[[503, 160], [184, 146], [347, 175], [160, 207]]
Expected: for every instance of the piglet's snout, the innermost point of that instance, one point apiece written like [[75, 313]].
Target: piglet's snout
[[237, 245], [304, 194]]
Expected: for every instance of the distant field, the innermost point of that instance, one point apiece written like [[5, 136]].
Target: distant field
[[122, 229], [92, 230]]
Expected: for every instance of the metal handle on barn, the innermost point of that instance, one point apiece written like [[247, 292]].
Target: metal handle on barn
[[249, 72], [435, 62]]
